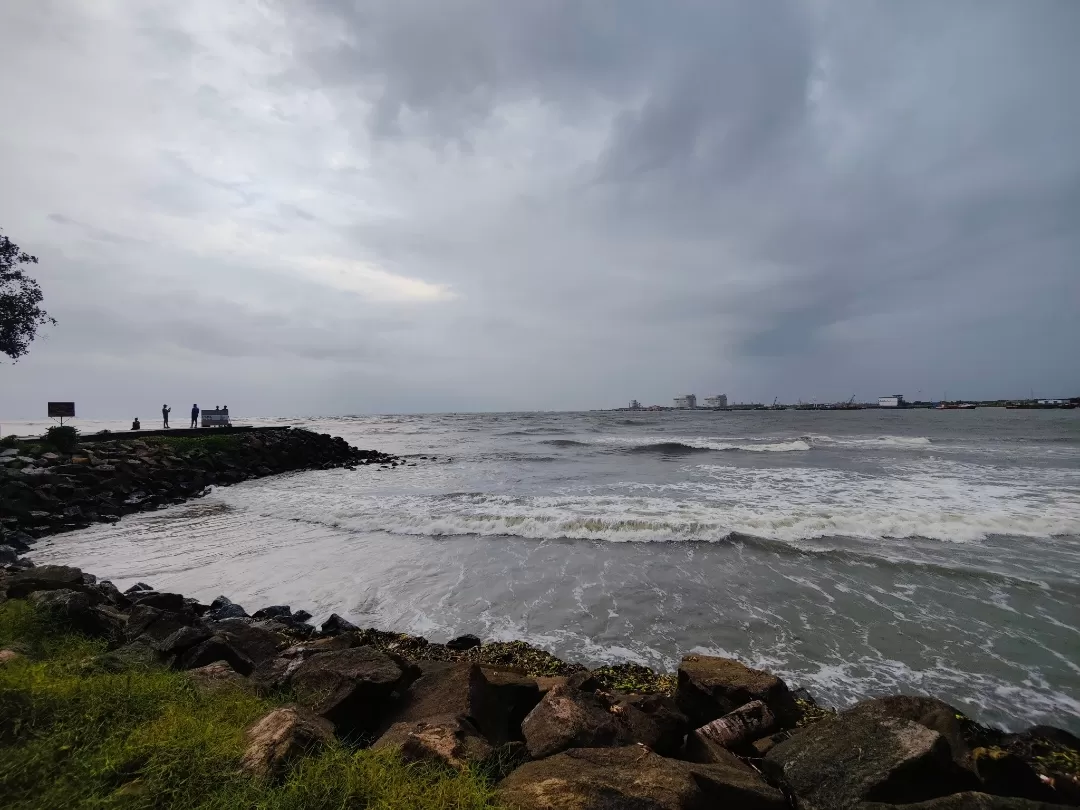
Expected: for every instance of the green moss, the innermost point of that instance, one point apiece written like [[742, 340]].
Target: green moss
[[76, 736], [634, 678], [812, 713]]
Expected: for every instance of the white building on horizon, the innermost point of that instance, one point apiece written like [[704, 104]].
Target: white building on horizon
[[895, 401], [686, 401], [719, 401]]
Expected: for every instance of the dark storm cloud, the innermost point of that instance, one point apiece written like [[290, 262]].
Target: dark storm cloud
[[413, 204]]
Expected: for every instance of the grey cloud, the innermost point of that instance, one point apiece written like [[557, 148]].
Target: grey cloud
[[618, 198]]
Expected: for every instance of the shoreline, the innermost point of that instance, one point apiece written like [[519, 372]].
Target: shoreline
[[763, 725], [539, 712], [48, 490]]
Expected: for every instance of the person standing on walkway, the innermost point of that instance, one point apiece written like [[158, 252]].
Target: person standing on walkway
[[165, 414], [194, 415]]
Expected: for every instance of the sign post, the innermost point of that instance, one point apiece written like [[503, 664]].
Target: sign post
[[61, 411]]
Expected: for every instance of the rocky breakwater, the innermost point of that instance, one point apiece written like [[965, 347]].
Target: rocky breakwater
[[44, 491], [557, 736]]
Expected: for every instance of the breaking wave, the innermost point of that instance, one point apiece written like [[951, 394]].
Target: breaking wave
[[868, 441]]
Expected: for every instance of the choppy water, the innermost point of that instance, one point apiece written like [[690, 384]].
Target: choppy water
[[855, 553]]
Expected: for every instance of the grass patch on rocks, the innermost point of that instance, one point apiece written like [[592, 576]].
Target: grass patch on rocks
[[72, 735]]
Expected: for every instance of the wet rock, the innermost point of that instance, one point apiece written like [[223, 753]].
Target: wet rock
[[633, 778], [182, 640], [766, 744], [655, 721], [350, 688], [466, 642], [449, 739], [137, 587], [852, 758], [212, 650], [701, 749], [500, 701], [1006, 774], [112, 594], [302, 616], [545, 683], [966, 801], [272, 612], [229, 611], [929, 712], [153, 625], [161, 601], [738, 729], [45, 578], [257, 644], [67, 606], [336, 624], [8, 555], [281, 737], [710, 687], [569, 718], [217, 675]]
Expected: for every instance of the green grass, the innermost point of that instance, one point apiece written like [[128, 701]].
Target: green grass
[[73, 734]]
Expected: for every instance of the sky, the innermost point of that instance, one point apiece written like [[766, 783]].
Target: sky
[[336, 207]]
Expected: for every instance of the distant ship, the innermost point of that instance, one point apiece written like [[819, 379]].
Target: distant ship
[[956, 406]]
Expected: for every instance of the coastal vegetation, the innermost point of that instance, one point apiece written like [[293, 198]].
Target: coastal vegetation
[[21, 314], [81, 728]]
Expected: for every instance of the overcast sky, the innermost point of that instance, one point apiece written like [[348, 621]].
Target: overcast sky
[[431, 205]]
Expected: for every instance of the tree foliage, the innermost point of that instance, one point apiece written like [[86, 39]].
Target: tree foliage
[[20, 301]]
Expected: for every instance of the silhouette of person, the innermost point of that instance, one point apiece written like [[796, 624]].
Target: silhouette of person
[[165, 414], [136, 425], [194, 415]]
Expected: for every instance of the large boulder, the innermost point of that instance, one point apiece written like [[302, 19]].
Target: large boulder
[[447, 739], [70, 607], [182, 640], [336, 624], [258, 644], [569, 718], [218, 675], [282, 736], [500, 700], [710, 687], [932, 713], [633, 778], [494, 702], [213, 649], [653, 720], [851, 758], [1007, 774], [350, 688], [967, 801], [48, 578], [152, 625], [161, 601]]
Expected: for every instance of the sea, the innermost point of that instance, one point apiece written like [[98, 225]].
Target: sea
[[854, 553]]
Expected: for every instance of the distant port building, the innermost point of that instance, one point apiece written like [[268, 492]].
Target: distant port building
[[686, 401], [719, 401], [894, 401]]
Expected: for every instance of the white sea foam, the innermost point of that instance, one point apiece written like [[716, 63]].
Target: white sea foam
[[873, 442], [720, 444], [787, 505]]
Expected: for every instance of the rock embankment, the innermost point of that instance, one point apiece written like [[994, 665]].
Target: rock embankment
[[721, 735], [44, 491]]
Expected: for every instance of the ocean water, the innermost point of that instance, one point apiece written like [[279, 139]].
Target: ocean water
[[855, 553]]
